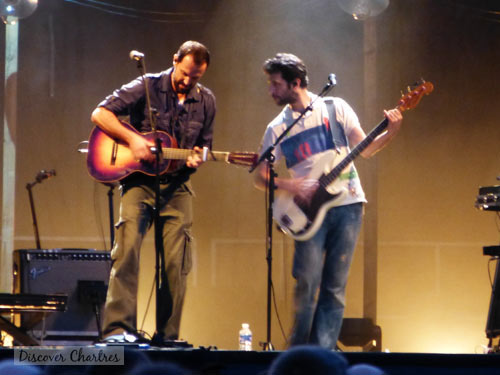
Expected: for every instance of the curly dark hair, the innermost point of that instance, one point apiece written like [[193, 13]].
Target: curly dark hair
[[290, 67]]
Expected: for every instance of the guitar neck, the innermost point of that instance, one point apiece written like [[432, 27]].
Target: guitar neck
[[327, 179], [183, 154], [408, 101]]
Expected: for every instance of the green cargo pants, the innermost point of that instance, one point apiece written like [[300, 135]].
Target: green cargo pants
[[136, 218]]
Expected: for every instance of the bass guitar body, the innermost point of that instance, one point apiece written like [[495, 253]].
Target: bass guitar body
[[301, 219]]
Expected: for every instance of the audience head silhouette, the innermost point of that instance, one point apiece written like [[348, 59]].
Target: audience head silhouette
[[309, 360]]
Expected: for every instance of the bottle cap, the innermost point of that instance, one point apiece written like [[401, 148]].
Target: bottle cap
[[245, 325]]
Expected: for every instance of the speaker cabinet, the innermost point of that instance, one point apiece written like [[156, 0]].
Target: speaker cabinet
[[81, 274], [361, 332]]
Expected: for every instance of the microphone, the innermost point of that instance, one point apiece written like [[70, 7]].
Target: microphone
[[43, 174], [332, 80], [136, 55]]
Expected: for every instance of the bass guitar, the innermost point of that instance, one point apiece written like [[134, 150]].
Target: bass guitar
[[110, 159], [301, 219]]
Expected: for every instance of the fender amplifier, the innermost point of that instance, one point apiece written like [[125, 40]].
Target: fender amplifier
[[81, 274]]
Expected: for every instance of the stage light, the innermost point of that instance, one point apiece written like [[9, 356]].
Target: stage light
[[362, 9], [13, 10]]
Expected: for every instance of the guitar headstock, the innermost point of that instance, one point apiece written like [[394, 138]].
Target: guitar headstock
[[246, 159], [412, 98]]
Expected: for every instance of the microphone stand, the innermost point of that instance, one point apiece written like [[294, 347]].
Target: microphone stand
[[111, 187], [33, 214], [271, 187], [160, 275], [42, 175]]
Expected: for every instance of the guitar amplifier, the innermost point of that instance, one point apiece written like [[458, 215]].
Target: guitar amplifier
[[488, 198], [81, 274]]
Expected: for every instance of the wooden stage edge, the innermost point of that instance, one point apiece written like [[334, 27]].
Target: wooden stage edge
[[227, 362]]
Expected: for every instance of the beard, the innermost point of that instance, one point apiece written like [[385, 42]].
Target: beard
[[180, 88], [289, 97]]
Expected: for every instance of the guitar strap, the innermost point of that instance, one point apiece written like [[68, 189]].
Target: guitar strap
[[338, 135]]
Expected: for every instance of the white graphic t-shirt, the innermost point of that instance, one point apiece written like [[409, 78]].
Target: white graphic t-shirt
[[308, 142]]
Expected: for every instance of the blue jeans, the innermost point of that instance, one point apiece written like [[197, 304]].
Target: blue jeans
[[323, 262]]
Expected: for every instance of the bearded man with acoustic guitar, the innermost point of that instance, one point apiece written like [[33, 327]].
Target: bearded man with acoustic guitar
[[324, 223], [185, 110]]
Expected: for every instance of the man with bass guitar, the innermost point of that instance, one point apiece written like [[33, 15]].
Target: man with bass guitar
[[323, 246], [185, 110]]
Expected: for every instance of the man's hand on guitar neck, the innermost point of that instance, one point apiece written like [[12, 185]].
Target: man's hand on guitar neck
[[141, 149], [394, 121], [195, 160]]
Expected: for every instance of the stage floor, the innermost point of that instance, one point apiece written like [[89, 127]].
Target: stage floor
[[225, 362]]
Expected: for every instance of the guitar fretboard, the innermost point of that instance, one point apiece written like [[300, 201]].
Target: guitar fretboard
[[183, 154], [327, 179]]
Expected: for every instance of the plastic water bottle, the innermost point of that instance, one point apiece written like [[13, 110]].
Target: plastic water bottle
[[245, 337]]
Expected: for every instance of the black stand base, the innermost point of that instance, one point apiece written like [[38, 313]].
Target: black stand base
[[159, 341], [266, 346]]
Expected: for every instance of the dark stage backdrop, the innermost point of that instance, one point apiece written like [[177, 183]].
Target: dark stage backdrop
[[433, 288]]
